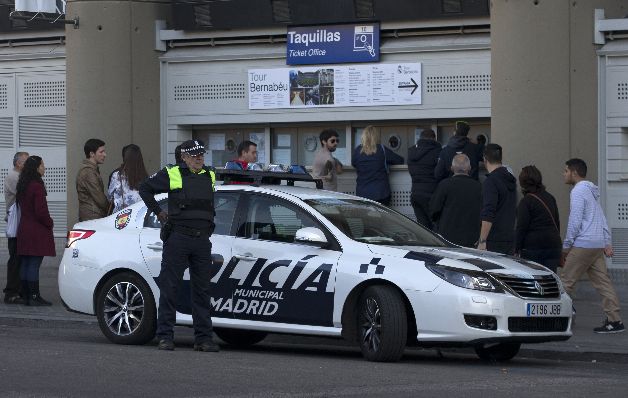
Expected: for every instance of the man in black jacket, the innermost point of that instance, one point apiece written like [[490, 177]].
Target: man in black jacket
[[422, 159], [499, 196], [459, 143], [456, 203]]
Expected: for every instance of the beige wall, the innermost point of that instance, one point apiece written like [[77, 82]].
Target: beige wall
[[544, 85], [112, 83]]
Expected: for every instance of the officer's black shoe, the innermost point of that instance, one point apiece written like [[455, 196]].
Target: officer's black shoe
[[165, 344], [206, 346], [13, 299]]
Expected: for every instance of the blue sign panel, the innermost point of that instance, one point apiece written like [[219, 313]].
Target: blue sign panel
[[332, 44]]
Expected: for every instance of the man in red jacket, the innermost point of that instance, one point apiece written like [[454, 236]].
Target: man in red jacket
[[247, 153]]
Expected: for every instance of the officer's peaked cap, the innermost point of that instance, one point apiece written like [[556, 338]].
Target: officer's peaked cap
[[193, 147]]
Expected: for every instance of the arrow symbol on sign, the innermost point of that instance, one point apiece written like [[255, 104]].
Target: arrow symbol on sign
[[411, 85]]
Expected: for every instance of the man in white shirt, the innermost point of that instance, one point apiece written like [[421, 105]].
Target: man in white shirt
[[326, 166], [12, 289]]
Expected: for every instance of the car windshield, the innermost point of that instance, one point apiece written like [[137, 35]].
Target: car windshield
[[371, 223]]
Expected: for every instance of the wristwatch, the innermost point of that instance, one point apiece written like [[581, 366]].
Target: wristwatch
[[481, 241]]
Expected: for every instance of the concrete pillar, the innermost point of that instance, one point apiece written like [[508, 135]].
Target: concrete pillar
[[112, 83], [544, 85]]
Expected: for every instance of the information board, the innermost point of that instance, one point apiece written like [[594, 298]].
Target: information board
[[335, 86]]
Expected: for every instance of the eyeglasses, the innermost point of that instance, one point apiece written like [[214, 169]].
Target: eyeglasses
[[334, 140]]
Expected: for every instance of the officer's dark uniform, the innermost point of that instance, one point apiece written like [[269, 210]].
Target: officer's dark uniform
[[191, 214]]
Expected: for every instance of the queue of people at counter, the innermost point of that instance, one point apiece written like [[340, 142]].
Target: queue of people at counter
[[446, 197]]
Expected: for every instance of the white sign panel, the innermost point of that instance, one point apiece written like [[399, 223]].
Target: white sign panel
[[350, 85], [48, 6]]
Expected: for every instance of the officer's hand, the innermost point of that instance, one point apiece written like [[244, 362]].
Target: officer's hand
[[162, 216]]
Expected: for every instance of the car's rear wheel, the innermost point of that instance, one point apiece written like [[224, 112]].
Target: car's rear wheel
[[126, 310], [382, 324], [240, 338], [497, 351]]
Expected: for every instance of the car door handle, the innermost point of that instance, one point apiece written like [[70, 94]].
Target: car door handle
[[246, 257], [158, 246]]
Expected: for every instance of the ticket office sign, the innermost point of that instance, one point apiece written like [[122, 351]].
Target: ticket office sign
[[335, 86], [332, 44]]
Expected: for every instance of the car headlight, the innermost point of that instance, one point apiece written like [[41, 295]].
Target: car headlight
[[475, 280], [561, 287]]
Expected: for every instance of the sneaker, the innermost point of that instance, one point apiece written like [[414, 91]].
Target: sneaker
[[165, 344], [610, 327], [206, 346]]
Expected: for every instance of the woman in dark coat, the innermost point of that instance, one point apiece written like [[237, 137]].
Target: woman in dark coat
[[538, 224], [371, 160], [34, 234]]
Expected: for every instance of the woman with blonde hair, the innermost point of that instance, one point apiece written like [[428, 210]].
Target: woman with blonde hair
[[371, 160]]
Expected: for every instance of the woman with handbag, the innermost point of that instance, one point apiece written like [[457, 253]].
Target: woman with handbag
[[34, 234], [125, 181], [538, 225], [370, 160]]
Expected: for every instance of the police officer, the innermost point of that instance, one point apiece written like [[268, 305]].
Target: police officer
[[186, 229]]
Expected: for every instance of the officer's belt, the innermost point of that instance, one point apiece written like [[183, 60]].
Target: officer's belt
[[190, 231]]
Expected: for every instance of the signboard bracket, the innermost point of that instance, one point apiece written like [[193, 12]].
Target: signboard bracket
[[40, 16]]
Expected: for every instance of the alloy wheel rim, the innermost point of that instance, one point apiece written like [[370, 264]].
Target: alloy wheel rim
[[371, 325], [124, 308]]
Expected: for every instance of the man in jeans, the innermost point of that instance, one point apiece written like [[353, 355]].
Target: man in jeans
[[586, 243], [12, 290]]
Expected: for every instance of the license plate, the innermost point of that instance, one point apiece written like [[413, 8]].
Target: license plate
[[548, 309]]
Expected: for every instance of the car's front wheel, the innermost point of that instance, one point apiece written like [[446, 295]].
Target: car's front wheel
[[497, 351], [240, 338], [382, 324], [126, 310]]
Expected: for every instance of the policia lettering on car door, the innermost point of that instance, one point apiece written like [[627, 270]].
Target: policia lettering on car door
[[273, 278]]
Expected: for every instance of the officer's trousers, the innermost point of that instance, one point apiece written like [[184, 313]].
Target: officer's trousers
[[180, 252]]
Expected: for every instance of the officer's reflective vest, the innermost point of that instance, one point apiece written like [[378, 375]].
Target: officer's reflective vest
[[191, 195]]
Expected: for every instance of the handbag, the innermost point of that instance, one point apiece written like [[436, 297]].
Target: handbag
[[13, 220]]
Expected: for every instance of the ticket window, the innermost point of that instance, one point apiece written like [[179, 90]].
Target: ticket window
[[284, 146], [298, 145], [397, 138], [222, 144], [446, 131]]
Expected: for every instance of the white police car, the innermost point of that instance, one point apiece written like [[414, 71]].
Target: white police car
[[306, 261]]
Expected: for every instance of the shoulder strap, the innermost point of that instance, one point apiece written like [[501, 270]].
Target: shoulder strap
[[546, 208], [122, 188], [385, 160]]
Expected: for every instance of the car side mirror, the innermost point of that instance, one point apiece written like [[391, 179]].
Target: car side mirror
[[310, 236]]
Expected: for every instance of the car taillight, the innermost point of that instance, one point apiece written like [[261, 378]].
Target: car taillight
[[78, 234]]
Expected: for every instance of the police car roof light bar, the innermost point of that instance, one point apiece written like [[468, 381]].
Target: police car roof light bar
[[264, 177]]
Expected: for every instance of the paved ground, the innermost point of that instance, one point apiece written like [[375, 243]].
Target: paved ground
[[73, 359], [584, 345]]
